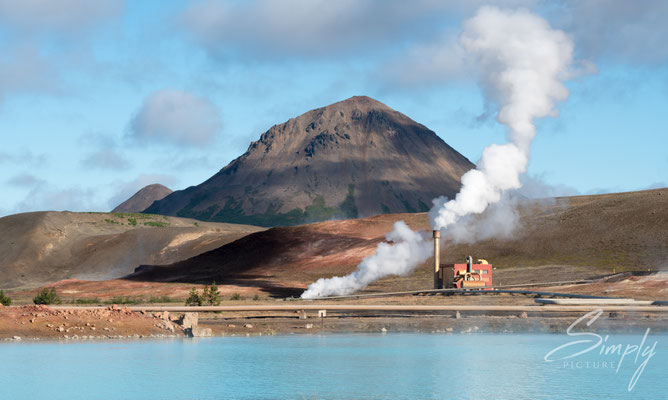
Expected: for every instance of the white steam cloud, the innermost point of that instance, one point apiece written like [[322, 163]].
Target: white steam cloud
[[522, 62], [410, 249]]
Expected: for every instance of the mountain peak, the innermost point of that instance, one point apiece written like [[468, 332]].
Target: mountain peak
[[143, 198], [361, 101], [353, 158]]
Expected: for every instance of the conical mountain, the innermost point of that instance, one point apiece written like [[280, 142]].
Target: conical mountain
[[143, 198], [354, 158]]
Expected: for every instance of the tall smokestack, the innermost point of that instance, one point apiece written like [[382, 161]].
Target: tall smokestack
[[437, 259]]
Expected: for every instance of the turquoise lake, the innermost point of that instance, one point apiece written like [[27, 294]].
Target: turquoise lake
[[336, 366]]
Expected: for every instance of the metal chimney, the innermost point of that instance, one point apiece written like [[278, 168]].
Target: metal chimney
[[437, 259]]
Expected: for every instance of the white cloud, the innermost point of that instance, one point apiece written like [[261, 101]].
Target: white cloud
[[106, 153], [25, 157], [37, 35], [317, 28], [56, 16], [427, 63], [25, 180], [106, 159], [43, 197], [175, 117], [24, 69], [620, 30]]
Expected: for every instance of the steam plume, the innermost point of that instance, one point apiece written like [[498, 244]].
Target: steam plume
[[522, 62]]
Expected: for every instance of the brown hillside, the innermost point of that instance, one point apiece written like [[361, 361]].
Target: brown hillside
[[42, 247], [600, 233]]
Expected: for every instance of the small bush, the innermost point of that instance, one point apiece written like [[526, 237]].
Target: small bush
[[256, 297], [132, 221], [161, 299], [157, 224], [4, 300], [235, 296], [47, 296], [124, 300], [90, 300], [194, 298], [211, 295]]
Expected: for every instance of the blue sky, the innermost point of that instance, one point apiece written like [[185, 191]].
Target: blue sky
[[84, 89]]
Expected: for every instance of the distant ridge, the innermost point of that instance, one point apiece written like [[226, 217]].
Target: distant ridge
[[143, 198], [354, 158]]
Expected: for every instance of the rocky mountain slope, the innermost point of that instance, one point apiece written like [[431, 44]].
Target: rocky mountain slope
[[354, 158], [43, 247], [143, 199]]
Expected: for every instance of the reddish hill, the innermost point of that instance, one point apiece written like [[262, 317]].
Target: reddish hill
[[597, 233]]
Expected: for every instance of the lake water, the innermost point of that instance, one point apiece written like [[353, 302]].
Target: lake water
[[337, 366]]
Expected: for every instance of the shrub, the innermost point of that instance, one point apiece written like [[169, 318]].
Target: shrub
[[124, 300], [160, 299], [4, 300], [132, 221], [157, 224], [47, 296], [256, 297], [211, 295], [194, 299], [235, 296], [90, 300]]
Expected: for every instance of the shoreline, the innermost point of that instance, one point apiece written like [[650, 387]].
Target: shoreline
[[41, 323]]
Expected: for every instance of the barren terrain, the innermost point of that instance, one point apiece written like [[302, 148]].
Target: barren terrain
[[602, 237], [568, 238], [43, 247]]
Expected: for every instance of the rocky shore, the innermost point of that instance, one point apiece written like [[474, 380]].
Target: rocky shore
[[28, 323], [113, 322]]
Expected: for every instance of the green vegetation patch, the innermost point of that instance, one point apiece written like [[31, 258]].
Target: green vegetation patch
[[135, 215], [124, 300], [88, 300], [47, 296], [348, 208], [210, 296], [4, 300], [162, 299], [157, 224], [318, 211]]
